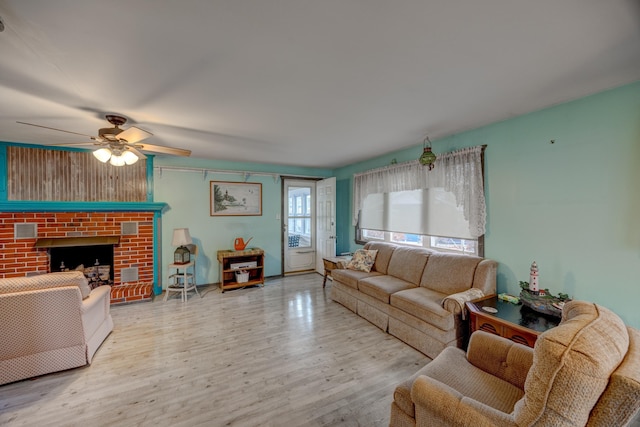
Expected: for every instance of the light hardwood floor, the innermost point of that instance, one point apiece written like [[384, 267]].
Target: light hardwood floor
[[282, 355]]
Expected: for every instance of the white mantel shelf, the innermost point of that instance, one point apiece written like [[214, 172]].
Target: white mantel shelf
[[48, 206]]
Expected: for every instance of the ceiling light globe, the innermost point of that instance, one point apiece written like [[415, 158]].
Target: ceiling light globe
[[129, 157], [102, 154], [117, 160]]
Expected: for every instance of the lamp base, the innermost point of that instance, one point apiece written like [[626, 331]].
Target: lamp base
[[182, 255]]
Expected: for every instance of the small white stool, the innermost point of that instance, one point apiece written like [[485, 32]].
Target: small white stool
[[182, 281]]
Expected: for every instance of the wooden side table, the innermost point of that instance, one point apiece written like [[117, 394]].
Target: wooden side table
[[332, 263], [251, 261], [516, 322]]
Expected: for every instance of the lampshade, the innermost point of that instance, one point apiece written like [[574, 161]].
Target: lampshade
[[181, 237], [102, 154], [129, 157], [116, 160]]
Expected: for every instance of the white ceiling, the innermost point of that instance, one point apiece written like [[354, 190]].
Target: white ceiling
[[320, 83]]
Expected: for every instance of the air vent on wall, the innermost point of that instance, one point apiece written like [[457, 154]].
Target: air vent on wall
[[25, 230], [129, 274], [129, 228]]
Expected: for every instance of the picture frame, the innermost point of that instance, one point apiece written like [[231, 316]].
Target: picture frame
[[235, 198]]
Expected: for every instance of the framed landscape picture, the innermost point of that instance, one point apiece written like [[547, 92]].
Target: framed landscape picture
[[235, 198]]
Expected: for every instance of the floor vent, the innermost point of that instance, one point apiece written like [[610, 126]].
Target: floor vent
[[129, 274], [25, 230], [129, 228]]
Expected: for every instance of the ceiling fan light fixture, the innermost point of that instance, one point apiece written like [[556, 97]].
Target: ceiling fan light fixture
[[102, 154], [129, 157], [117, 160]]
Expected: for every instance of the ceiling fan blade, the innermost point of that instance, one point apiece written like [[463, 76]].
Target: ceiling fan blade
[[79, 144], [59, 130], [164, 150], [135, 151], [134, 134]]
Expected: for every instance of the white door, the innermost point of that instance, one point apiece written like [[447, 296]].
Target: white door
[[299, 226], [326, 221]]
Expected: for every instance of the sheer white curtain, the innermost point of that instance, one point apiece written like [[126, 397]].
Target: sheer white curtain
[[459, 172]]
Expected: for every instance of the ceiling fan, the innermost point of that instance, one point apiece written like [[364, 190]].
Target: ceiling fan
[[120, 146]]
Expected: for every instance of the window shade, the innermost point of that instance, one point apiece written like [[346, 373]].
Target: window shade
[[432, 212], [457, 179]]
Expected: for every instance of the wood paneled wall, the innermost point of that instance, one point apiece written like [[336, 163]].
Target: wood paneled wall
[[58, 175]]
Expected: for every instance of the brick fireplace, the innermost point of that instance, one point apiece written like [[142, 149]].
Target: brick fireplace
[[134, 251]]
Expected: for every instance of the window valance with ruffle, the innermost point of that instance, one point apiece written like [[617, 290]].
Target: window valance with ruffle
[[459, 172]]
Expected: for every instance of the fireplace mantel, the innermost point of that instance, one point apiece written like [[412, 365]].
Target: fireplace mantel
[[48, 206], [65, 242]]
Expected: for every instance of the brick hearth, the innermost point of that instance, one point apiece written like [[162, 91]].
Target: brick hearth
[[19, 257]]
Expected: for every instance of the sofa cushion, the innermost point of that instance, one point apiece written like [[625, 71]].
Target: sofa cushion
[[408, 264], [449, 273], [451, 367], [362, 260], [45, 281], [381, 287], [385, 250], [351, 277], [425, 304], [571, 367]]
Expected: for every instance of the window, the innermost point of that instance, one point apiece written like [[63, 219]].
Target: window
[[443, 244], [299, 216], [443, 209]]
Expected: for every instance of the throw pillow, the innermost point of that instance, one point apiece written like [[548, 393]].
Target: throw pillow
[[363, 260]]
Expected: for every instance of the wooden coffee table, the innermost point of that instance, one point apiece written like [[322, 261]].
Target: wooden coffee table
[[516, 322]]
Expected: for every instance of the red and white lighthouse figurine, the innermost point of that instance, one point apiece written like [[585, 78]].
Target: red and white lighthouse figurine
[[533, 279]]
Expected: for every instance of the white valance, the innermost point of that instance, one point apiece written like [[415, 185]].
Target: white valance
[[459, 172]]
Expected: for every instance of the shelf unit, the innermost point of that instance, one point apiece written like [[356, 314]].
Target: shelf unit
[[228, 274]]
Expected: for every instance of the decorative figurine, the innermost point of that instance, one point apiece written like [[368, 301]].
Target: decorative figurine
[[533, 279]]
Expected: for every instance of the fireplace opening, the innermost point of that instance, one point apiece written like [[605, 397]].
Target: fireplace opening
[[95, 261]]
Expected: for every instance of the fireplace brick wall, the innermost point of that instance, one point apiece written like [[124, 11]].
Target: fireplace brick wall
[[19, 256]]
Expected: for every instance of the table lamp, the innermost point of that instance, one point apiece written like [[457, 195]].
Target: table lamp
[[181, 237]]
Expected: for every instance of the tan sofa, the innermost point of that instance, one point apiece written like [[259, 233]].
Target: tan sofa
[[586, 371], [411, 293], [49, 323]]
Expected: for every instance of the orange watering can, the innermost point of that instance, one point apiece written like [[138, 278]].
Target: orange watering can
[[240, 244]]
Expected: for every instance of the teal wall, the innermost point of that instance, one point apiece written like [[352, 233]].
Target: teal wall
[[186, 193], [572, 206]]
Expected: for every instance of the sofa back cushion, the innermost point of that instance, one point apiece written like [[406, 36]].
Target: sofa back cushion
[[408, 263], [385, 250], [449, 273], [46, 281], [571, 367]]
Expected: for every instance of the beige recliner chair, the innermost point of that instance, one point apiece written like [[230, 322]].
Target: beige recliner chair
[[586, 371]]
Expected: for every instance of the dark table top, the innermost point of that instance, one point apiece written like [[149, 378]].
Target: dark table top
[[517, 314]]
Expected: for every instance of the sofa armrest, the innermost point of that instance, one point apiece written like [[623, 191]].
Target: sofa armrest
[[95, 309], [438, 404], [484, 277], [500, 357], [455, 303]]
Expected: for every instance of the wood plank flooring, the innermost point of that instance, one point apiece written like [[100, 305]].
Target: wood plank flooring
[[282, 355]]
